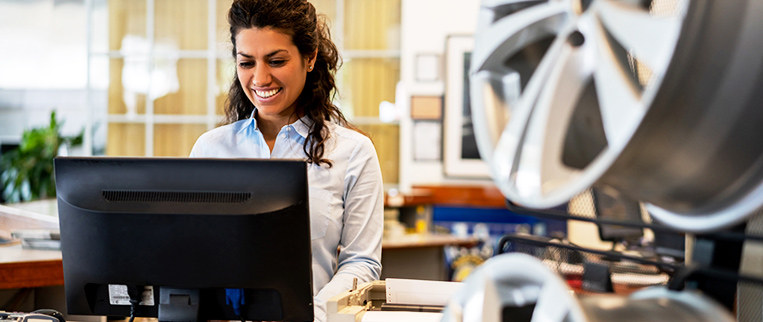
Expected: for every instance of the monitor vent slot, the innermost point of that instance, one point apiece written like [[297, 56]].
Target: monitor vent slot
[[175, 196]]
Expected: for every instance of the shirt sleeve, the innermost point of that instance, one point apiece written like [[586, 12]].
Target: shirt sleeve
[[198, 148], [363, 220]]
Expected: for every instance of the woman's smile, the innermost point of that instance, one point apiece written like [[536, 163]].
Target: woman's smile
[[268, 93]]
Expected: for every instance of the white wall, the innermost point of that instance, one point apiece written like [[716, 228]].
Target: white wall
[[425, 25], [43, 44], [43, 66]]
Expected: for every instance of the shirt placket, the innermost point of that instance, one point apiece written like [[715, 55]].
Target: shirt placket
[[283, 143], [261, 145]]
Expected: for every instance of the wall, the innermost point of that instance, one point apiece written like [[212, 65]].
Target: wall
[[43, 66], [425, 25]]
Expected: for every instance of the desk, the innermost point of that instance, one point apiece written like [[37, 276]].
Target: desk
[[409, 241], [27, 268], [408, 256], [419, 256], [29, 215]]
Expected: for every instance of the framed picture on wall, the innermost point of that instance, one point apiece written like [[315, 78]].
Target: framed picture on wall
[[461, 158]]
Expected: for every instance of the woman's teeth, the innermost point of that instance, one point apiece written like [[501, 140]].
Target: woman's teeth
[[266, 94]]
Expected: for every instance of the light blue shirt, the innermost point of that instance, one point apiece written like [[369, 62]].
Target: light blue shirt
[[346, 200]]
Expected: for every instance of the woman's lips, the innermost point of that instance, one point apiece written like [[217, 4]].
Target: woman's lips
[[265, 94]]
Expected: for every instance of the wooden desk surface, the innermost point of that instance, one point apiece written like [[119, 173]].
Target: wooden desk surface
[[41, 214], [22, 268], [427, 240]]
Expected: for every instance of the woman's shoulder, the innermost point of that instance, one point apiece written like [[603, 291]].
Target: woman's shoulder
[[223, 131], [348, 136], [221, 136], [351, 144]]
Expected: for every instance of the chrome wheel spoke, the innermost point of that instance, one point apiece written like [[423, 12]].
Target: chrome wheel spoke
[[509, 149], [511, 34], [619, 96], [544, 139], [528, 157], [497, 88], [649, 38]]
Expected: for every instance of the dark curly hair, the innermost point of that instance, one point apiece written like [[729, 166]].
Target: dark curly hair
[[308, 31]]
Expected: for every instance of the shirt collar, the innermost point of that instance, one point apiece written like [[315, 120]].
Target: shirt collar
[[302, 126], [251, 121]]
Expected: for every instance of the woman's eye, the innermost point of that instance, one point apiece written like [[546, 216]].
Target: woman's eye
[[245, 64], [277, 62]]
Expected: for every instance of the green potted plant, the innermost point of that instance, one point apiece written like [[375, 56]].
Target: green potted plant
[[26, 173]]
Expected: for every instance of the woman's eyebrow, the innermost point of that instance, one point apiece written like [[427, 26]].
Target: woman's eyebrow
[[276, 52], [266, 56]]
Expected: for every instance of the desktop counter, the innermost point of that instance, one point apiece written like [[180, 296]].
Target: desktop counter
[[28, 268], [408, 256]]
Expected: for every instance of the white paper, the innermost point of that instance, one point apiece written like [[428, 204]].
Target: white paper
[[426, 141], [398, 316], [427, 67], [420, 292]]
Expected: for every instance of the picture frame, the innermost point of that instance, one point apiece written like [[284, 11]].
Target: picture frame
[[427, 67], [460, 154], [427, 140]]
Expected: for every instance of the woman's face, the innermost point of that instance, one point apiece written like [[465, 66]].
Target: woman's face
[[271, 70]]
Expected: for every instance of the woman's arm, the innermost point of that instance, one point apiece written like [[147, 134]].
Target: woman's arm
[[363, 225]]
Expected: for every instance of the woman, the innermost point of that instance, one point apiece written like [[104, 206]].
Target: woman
[[280, 106]]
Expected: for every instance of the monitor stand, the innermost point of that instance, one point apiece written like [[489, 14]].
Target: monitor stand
[[178, 304]]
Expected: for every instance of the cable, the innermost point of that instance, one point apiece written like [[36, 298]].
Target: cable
[[133, 305], [135, 295]]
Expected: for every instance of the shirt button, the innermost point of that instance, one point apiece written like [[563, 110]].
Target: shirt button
[[283, 135]]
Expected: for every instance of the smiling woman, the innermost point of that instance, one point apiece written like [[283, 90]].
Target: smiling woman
[[274, 73], [286, 42], [280, 105]]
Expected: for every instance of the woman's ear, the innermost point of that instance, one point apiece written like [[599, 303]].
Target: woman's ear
[[311, 60]]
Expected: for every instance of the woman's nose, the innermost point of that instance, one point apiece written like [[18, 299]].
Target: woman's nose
[[261, 76]]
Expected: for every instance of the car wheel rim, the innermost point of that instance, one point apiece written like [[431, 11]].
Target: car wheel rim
[[568, 94]]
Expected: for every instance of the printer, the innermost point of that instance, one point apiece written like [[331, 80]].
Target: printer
[[392, 300]]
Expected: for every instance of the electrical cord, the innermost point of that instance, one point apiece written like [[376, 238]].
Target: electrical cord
[[133, 305], [135, 295]]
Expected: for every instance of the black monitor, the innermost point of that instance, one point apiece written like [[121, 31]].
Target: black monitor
[[188, 230], [670, 244], [610, 204]]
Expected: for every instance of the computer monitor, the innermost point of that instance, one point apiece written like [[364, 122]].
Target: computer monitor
[[610, 204], [670, 244], [188, 230]]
